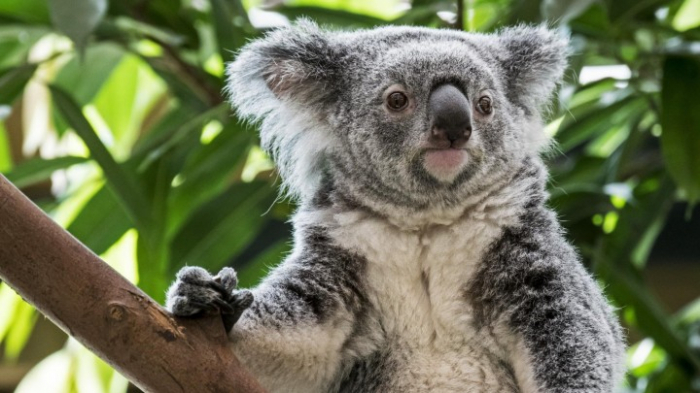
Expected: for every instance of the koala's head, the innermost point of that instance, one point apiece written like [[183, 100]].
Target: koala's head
[[398, 116]]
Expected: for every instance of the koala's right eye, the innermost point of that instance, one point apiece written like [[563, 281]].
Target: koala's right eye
[[397, 101]]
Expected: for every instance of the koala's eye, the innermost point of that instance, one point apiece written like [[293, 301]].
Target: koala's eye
[[397, 101], [484, 105]]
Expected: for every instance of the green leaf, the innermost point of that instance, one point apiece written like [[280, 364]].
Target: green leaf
[[689, 313], [153, 252], [613, 261], [125, 100], [574, 204], [57, 368], [629, 159], [166, 15], [194, 99], [582, 169], [637, 218], [5, 154], [22, 325], [422, 14], [597, 121], [385, 10], [562, 11], [101, 222], [12, 82], [77, 18], [589, 94], [593, 22], [207, 171], [16, 40], [31, 11], [671, 378], [680, 139], [152, 259], [169, 138], [230, 21], [163, 130], [646, 357], [223, 227], [84, 76], [122, 183], [525, 11], [8, 304], [39, 169], [687, 16], [622, 11], [335, 17]]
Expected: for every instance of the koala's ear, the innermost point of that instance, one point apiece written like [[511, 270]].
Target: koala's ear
[[534, 63], [296, 63]]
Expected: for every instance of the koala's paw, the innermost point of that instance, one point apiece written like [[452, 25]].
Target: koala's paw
[[196, 292]]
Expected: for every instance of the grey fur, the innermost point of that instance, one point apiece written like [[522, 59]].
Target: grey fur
[[402, 279]]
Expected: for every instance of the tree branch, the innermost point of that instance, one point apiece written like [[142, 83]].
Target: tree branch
[[90, 301]]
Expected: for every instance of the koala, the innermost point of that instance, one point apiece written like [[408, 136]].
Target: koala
[[425, 258]]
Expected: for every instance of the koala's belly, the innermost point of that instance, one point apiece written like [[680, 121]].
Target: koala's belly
[[433, 346], [398, 368], [471, 371]]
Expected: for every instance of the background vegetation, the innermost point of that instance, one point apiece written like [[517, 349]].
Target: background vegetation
[[112, 120]]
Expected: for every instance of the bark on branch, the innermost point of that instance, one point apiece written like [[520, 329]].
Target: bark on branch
[[117, 321]]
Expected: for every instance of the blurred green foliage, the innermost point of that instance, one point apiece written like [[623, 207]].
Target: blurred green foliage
[[112, 119]]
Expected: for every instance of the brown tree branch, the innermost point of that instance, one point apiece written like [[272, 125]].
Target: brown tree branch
[[93, 303]]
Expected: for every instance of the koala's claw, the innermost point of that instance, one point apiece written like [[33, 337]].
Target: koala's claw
[[196, 292]]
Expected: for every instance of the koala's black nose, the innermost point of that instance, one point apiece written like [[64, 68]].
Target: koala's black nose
[[451, 117]]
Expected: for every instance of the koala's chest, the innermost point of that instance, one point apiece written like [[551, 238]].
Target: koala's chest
[[418, 281]]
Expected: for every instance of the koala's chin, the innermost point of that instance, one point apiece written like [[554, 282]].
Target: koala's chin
[[445, 164]]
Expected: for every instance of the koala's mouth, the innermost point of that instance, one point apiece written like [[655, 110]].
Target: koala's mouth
[[444, 164]]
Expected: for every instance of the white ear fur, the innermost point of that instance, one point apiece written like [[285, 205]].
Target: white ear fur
[[272, 81], [534, 65], [535, 61], [299, 145]]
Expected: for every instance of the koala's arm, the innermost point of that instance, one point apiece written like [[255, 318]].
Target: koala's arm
[[548, 315], [295, 335]]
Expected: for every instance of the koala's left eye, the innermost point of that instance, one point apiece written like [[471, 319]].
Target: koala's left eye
[[485, 105], [397, 101]]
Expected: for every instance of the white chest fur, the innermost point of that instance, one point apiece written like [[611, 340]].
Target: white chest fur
[[417, 280]]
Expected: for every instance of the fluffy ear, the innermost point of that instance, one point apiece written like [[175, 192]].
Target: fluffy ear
[[286, 80], [294, 64], [534, 64]]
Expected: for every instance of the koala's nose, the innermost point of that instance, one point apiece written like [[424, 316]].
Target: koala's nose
[[451, 117]]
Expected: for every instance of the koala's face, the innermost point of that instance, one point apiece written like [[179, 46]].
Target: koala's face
[[424, 118], [403, 116]]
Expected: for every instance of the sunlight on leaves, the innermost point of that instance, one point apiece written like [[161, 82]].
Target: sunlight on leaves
[[385, 9], [210, 131], [8, 305], [688, 16], [22, 326], [5, 158], [51, 375], [122, 256], [124, 101], [644, 357], [258, 161]]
